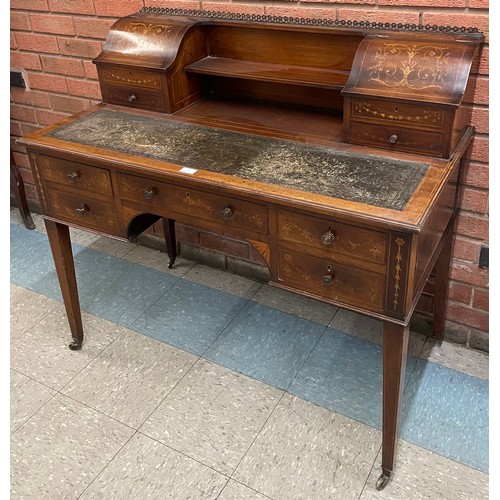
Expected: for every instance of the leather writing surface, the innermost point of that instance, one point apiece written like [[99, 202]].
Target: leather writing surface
[[369, 179]]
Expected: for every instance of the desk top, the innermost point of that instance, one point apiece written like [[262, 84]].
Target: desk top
[[369, 179]]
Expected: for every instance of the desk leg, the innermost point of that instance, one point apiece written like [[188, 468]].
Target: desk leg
[[60, 244], [17, 185], [169, 231], [442, 271], [395, 349]]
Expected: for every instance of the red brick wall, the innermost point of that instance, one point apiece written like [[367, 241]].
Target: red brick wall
[[53, 43]]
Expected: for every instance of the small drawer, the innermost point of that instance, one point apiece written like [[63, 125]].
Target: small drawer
[[397, 138], [394, 112], [336, 238], [134, 97], [332, 281], [83, 211], [136, 78], [75, 175], [162, 198]]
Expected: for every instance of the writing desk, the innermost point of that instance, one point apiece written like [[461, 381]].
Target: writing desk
[[352, 203]]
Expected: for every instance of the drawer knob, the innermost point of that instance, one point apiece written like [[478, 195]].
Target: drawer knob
[[73, 176], [148, 194], [226, 213], [132, 98], [328, 279], [81, 210], [393, 139], [328, 238]]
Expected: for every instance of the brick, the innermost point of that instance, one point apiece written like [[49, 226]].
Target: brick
[[72, 6], [37, 43], [21, 160], [183, 4], [424, 3], [30, 97], [13, 41], [477, 90], [52, 23], [90, 70], [479, 4], [234, 7], [466, 249], [27, 175], [379, 16], [481, 299], [25, 60], [68, 104], [48, 117], [468, 316], [79, 48], [480, 149], [19, 21], [52, 83], [187, 234], [481, 62], [474, 201], [302, 12], [202, 255], [248, 269], [460, 292], [479, 340], [425, 303], [33, 5], [469, 273], [28, 128], [473, 226], [22, 113], [479, 21], [477, 175], [62, 65], [15, 129], [224, 245], [92, 27], [84, 88], [117, 8]]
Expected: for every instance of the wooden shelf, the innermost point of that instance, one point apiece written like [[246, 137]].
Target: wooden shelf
[[270, 72]]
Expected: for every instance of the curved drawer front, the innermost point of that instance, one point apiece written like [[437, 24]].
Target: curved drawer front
[[174, 201], [77, 176], [134, 97], [132, 78], [333, 237], [332, 281]]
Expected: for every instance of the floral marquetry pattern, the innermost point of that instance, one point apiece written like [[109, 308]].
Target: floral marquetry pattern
[[397, 278]]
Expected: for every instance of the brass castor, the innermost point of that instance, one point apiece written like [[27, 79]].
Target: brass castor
[[382, 481]]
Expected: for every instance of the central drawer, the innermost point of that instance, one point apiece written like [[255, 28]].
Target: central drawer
[[185, 204]]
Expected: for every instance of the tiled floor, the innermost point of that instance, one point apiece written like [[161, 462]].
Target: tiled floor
[[199, 384]]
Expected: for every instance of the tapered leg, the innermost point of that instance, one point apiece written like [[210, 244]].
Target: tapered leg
[[442, 270], [17, 185], [395, 349], [60, 244], [169, 231]]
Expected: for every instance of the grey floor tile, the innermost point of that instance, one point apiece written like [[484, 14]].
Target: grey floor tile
[[423, 475], [59, 451], [213, 415], [145, 470], [458, 357], [308, 452], [15, 216], [371, 329], [110, 246], [27, 308], [236, 491], [265, 344], [26, 398], [291, 303], [42, 353], [130, 378], [223, 280], [155, 259]]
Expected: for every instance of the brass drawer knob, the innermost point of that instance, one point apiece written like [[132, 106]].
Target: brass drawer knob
[[328, 279], [226, 213], [132, 98], [148, 194], [393, 139], [328, 238], [73, 176], [81, 210]]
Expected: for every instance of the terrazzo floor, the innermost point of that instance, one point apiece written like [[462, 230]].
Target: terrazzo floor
[[195, 383]]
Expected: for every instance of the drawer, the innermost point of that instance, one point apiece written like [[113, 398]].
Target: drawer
[[332, 281], [397, 138], [337, 238], [134, 97], [76, 176], [136, 78], [393, 112], [162, 198], [83, 211]]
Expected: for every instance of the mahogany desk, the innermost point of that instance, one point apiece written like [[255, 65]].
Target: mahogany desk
[[342, 174]]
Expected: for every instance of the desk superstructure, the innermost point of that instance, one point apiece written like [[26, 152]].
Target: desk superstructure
[[333, 148]]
